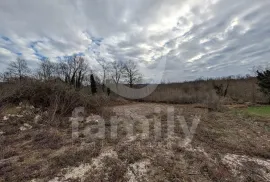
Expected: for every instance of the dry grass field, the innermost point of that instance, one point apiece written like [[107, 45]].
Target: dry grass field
[[230, 142], [240, 90], [134, 91]]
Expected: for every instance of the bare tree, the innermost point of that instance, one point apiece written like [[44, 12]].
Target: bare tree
[[18, 68], [221, 89], [72, 70], [61, 70], [105, 67], [76, 68], [131, 73], [47, 69], [117, 70]]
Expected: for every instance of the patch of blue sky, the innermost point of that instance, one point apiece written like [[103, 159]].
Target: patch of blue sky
[[97, 41], [79, 54], [40, 56], [94, 39], [60, 58], [5, 38], [9, 45], [32, 45]]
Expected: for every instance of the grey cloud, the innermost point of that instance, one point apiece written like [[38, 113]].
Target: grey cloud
[[197, 38]]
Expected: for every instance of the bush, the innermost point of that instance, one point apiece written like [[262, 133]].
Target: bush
[[58, 98], [240, 89], [213, 102], [48, 139]]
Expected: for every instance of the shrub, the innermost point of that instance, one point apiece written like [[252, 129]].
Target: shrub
[[48, 139], [58, 98], [237, 89], [213, 101]]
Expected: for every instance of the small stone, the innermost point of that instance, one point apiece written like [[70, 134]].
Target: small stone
[[22, 128], [5, 118], [46, 113], [2, 133], [25, 126], [37, 118], [94, 118]]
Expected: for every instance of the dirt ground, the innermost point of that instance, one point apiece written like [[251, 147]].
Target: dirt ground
[[225, 146]]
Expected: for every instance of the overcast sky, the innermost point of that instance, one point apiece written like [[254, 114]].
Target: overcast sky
[[196, 38]]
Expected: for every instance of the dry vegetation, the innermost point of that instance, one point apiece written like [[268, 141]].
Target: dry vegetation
[[240, 91], [229, 144]]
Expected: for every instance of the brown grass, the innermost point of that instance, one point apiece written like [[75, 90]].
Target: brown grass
[[240, 90], [45, 150], [113, 170]]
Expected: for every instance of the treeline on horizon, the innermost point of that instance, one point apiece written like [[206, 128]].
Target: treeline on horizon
[[75, 71]]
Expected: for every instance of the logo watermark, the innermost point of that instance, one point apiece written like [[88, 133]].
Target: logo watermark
[[160, 126]]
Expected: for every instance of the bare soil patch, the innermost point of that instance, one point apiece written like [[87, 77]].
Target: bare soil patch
[[227, 146]]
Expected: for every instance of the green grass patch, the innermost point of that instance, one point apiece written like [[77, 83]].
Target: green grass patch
[[259, 111]]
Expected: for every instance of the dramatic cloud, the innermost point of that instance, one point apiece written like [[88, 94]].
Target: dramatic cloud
[[197, 38]]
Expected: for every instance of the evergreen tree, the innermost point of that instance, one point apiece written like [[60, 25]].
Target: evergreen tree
[[264, 82], [108, 91], [93, 84]]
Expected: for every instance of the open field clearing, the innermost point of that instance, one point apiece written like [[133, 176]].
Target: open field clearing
[[134, 91], [227, 146]]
